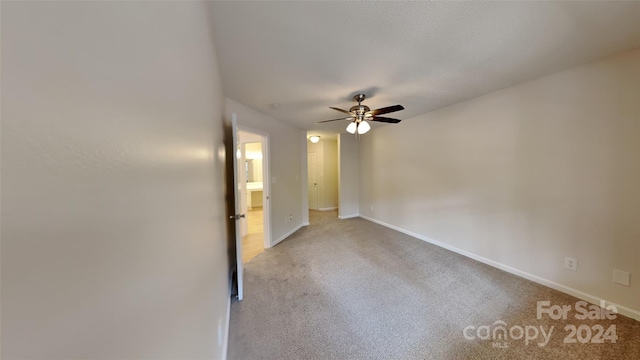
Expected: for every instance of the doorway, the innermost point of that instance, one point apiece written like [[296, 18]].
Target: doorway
[[252, 175], [322, 174], [312, 177]]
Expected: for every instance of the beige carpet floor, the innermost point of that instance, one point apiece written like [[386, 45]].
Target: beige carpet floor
[[351, 289]]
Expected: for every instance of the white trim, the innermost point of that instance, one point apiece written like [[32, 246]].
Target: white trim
[[342, 217], [303, 178], [305, 223], [623, 310], [287, 234], [328, 208], [266, 185], [225, 349]]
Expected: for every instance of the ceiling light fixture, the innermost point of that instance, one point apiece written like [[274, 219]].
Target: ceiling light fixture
[[352, 127], [314, 139], [363, 127], [358, 125]]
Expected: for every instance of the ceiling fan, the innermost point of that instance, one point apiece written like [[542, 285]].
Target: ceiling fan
[[360, 114]]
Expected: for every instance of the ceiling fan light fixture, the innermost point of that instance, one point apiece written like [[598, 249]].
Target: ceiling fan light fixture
[[360, 114], [314, 139], [352, 127], [363, 127]]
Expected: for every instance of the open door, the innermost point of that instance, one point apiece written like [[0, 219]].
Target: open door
[[238, 209]]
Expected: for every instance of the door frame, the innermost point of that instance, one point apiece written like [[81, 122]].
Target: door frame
[[266, 182], [315, 153]]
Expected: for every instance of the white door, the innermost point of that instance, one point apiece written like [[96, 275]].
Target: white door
[[313, 180], [238, 205]]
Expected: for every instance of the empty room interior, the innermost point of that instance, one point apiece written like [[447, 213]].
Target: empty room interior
[[319, 180]]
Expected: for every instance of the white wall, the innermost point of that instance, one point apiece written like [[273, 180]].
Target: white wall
[[348, 176], [327, 172], [113, 216], [285, 148], [524, 176]]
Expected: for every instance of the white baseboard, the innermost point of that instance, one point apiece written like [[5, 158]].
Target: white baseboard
[[305, 223], [287, 234], [225, 349], [342, 217], [623, 310], [327, 208]]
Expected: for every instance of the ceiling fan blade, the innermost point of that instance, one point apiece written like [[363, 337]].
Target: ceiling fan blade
[[349, 118], [335, 108], [384, 119], [386, 110]]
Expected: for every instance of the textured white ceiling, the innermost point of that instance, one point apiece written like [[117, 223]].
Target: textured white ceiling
[[308, 56]]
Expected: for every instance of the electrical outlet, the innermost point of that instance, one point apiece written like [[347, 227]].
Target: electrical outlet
[[290, 217], [621, 277], [571, 263]]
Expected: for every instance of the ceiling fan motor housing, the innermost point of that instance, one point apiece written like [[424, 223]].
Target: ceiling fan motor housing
[[359, 109]]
